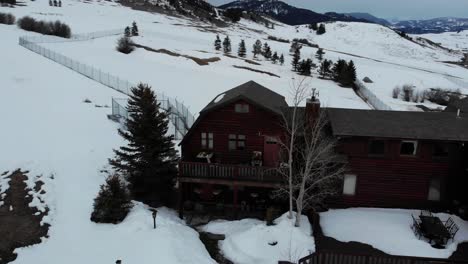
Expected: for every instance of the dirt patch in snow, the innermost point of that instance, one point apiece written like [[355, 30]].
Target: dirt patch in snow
[[199, 61], [19, 224], [255, 70]]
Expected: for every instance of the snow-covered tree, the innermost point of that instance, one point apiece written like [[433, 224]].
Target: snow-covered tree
[[257, 48], [134, 29], [242, 51], [217, 43], [227, 45]]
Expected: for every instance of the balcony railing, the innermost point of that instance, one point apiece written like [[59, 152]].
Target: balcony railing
[[233, 172]]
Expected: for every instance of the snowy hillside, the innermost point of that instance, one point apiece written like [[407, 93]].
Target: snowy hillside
[[48, 129], [451, 40]]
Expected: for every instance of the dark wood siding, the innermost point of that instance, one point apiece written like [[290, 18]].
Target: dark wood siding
[[255, 125], [392, 180]]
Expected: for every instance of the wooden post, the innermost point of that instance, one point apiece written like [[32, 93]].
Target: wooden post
[[235, 196], [181, 200]]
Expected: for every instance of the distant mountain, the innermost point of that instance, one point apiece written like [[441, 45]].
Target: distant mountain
[[370, 18], [286, 13], [436, 25]]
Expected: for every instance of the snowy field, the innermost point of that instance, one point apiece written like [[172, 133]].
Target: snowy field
[[451, 40], [388, 230], [252, 241]]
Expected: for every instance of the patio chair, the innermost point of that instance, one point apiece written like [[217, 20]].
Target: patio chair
[[453, 231], [448, 224], [425, 213], [416, 226]]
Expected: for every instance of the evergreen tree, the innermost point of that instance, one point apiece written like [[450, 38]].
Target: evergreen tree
[[227, 45], [134, 29], [294, 46], [281, 59], [242, 50], [313, 26], [217, 43], [305, 67], [339, 69], [319, 54], [149, 160], [127, 32], [275, 57], [60, 3], [321, 29], [296, 59], [350, 74], [266, 52], [125, 45], [112, 203], [257, 48], [324, 70]]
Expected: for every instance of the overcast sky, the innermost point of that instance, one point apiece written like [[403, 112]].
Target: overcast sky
[[402, 9]]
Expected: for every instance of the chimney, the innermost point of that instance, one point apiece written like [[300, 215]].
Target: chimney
[[312, 107]]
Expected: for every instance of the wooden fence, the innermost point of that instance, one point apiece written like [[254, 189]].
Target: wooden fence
[[336, 258]]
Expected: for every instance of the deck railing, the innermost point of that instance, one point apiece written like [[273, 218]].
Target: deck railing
[[337, 258], [226, 171]]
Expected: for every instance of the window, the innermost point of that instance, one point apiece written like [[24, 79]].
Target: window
[[434, 190], [440, 150], [408, 148], [349, 184], [207, 140], [377, 147], [236, 142], [242, 108]]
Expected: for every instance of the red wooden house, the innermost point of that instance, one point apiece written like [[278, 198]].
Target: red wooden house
[[394, 158]]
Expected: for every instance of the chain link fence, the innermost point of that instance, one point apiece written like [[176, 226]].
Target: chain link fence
[[371, 98], [180, 116]]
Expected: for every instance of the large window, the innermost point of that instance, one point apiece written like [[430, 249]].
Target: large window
[[349, 184], [377, 147], [408, 148], [440, 150], [236, 142], [241, 108], [207, 140]]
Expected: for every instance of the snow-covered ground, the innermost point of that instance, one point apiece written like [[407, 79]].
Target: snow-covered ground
[[252, 241], [388, 230], [452, 40]]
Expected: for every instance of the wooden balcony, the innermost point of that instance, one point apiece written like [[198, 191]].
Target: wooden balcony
[[229, 172]]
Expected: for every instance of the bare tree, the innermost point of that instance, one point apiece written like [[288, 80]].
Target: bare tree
[[313, 166]]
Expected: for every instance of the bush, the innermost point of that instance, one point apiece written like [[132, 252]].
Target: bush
[[278, 39], [408, 91], [396, 92], [8, 19], [112, 203], [235, 14], [306, 42], [441, 96], [56, 28], [125, 45]]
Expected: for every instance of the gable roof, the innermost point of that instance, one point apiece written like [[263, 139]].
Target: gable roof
[[253, 92], [399, 124]]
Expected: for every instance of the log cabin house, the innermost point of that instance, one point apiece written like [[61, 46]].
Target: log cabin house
[[394, 158]]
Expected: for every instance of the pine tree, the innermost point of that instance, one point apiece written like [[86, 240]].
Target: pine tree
[[134, 29], [125, 45], [149, 159], [281, 59], [257, 48], [112, 203], [321, 29], [325, 68], [339, 68], [217, 43], [296, 59], [350, 74], [266, 52], [242, 50], [319, 54], [305, 67], [313, 26], [275, 57], [294, 46], [227, 45], [127, 32]]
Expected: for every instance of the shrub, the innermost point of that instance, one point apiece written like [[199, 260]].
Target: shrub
[[408, 91], [125, 45], [8, 19], [278, 39], [306, 42], [441, 96], [234, 14], [396, 92], [416, 97], [112, 203], [56, 28]]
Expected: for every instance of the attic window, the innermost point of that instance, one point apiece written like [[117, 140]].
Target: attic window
[[408, 148], [242, 108], [377, 147]]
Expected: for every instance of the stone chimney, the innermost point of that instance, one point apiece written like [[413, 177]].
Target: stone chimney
[[312, 109]]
